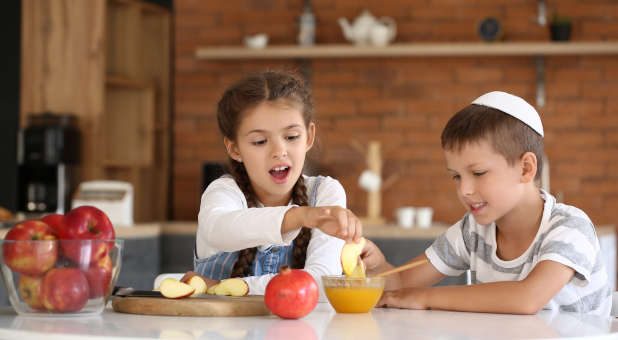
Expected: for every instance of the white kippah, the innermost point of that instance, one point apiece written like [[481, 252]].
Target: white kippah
[[513, 106]]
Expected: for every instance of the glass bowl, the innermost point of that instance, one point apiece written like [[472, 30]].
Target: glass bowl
[[60, 277], [353, 295]]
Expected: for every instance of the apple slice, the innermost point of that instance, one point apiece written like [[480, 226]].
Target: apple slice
[[211, 289], [350, 258], [174, 289], [233, 287], [359, 271], [199, 284]]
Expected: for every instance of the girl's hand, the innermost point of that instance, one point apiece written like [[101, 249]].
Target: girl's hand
[[209, 282], [408, 298], [373, 258], [335, 221]]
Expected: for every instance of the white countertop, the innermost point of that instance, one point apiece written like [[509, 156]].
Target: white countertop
[[322, 323]]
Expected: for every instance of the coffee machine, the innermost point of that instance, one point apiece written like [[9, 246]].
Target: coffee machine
[[48, 153]]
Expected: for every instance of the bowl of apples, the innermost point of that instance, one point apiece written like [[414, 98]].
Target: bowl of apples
[[61, 264]]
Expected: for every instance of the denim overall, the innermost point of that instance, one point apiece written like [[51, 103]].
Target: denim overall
[[267, 261]]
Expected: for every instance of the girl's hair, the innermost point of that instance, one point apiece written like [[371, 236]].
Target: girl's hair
[[236, 101], [508, 135]]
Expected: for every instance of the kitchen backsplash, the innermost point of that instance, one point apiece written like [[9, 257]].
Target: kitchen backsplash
[[404, 102]]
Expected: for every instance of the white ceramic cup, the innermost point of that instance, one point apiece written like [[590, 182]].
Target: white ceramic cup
[[369, 181], [405, 217], [424, 216], [256, 41]]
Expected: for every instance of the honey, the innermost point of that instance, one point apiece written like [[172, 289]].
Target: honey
[[353, 299]]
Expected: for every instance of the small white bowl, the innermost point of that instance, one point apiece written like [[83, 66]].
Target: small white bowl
[[256, 41]]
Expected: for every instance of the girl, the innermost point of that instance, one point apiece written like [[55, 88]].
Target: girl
[[267, 213]]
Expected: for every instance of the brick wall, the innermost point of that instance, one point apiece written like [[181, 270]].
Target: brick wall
[[405, 102]]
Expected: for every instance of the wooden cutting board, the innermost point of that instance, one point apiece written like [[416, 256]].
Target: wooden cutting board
[[206, 305]]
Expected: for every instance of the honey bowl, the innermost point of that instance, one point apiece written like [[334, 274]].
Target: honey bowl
[[353, 295]]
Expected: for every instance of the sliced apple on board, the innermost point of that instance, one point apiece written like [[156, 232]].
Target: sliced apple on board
[[211, 289], [199, 284], [233, 287], [352, 266], [174, 289]]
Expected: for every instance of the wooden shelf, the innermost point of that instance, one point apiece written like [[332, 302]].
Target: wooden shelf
[[412, 50]]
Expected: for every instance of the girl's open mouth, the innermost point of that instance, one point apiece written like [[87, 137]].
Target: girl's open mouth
[[279, 173]]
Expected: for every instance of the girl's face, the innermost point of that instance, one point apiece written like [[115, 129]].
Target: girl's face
[[271, 142], [487, 185]]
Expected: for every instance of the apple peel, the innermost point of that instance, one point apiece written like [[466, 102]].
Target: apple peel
[[350, 259]]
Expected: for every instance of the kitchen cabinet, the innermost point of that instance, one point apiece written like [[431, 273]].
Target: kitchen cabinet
[[109, 63]]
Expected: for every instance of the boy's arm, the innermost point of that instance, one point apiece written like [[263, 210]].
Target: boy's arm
[[517, 297], [421, 276]]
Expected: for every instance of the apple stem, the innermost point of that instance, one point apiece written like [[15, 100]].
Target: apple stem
[[91, 227], [285, 269]]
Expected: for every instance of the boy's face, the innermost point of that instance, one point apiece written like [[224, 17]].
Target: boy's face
[[487, 185]]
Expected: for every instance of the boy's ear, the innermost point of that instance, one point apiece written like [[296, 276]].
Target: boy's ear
[[528, 167], [232, 149], [310, 136]]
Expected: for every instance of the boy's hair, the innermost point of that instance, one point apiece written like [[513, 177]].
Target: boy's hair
[[509, 136], [249, 92]]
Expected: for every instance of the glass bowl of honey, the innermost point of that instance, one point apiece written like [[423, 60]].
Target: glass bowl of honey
[[353, 295]]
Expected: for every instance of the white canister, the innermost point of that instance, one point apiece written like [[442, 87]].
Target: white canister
[[424, 216], [405, 217]]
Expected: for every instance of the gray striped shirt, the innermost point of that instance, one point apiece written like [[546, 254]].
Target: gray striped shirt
[[566, 235]]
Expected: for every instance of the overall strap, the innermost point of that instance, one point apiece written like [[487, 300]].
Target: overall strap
[[313, 195]]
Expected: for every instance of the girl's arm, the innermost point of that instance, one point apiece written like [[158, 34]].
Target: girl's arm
[[329, 214], [517, 297], [332, 220], [226, 224]]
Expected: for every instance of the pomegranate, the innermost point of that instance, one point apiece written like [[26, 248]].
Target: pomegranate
[[291, 294]]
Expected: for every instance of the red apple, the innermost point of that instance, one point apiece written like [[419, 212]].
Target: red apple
[[291, 294], [65, 290], [99, 276], [30, 290], [54, 221], [35, 250], [86, 223]]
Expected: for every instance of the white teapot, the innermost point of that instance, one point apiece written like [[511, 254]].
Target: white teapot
[[367, 30]]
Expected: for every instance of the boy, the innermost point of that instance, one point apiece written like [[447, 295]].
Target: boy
[[525, 251]]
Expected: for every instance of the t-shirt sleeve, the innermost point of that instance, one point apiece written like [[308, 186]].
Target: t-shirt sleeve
[[573, 243], [448, 253]]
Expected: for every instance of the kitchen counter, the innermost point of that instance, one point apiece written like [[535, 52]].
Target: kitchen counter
[[155, 229], [322, 323], [381, 231]]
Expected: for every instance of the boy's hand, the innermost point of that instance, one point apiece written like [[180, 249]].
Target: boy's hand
[[373, 258], [409, 298], [335, 221]]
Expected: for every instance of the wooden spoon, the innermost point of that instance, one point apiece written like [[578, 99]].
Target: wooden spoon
[[401, 268]]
